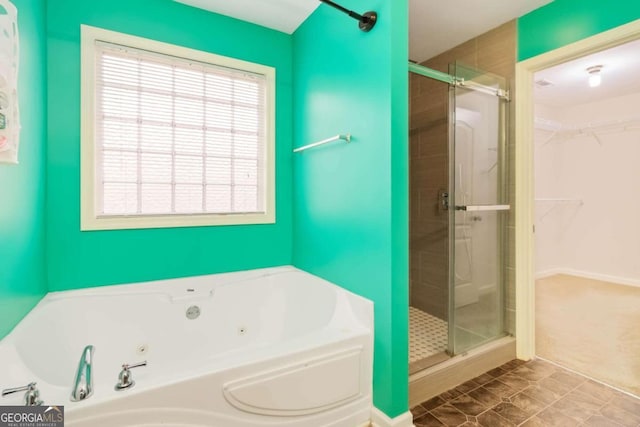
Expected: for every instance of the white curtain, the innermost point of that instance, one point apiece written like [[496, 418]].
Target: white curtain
[[9, 57]]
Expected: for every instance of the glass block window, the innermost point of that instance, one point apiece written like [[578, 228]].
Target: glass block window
[[176, 136]]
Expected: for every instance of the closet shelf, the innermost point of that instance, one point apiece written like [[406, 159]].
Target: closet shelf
[[565, 132], [556, 203], [561, 200]]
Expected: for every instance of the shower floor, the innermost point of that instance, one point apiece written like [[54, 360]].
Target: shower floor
[[427, 335]]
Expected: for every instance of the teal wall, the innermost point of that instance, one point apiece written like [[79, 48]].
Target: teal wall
[[22, 186], [81, 259], [566, 21], [350, 201]]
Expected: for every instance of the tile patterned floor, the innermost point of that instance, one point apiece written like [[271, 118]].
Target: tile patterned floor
[[427, 335], [529, 394]]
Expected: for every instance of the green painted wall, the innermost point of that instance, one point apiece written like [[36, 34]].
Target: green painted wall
[[22, 186], [566, 21], [81, 259], [350, 201]]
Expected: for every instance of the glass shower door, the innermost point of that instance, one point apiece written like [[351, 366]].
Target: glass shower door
[[477, 208]]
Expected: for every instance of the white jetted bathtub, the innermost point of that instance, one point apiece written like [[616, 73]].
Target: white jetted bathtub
[[270, 347]]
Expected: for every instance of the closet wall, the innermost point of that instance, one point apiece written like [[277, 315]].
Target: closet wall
[[593, 171]]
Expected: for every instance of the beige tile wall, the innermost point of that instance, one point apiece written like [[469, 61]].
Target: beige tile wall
[[428, 147], [495, 52]]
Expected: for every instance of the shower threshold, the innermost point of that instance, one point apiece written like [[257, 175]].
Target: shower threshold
[[428, 339], [456, 370]]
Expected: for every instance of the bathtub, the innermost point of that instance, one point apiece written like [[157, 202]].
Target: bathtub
[[268, 347]]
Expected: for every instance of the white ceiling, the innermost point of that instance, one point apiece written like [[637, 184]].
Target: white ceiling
[[435, 25], [620, 76], [281, 15]]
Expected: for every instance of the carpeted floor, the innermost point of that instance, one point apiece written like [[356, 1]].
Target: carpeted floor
[[591, 327]]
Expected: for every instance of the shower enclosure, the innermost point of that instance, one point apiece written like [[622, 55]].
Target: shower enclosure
[[458, 215]]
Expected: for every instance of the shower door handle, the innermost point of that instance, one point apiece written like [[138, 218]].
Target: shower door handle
[[479, 208]]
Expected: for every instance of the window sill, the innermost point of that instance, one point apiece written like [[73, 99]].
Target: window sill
[[173, 221]]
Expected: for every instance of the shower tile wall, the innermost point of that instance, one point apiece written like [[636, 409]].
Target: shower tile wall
[[495, 52], [428, 144]]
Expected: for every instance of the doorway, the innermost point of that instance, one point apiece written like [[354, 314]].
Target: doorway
[[576, 278]]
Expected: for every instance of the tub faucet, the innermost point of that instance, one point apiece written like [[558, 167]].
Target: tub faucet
[[83, 384], [125, 380], [31, 398]]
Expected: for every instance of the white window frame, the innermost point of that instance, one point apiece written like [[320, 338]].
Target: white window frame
[[89, 218]]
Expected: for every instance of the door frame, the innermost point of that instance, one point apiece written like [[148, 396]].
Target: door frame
[[524, 165]]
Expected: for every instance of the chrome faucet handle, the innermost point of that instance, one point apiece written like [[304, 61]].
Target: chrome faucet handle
[[135, 365], [125, 380], [31, 397]]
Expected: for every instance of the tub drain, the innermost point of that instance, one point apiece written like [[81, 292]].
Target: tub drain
[[193, 312]]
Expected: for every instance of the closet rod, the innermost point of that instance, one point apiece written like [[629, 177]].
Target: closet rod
[[552, 125], [560, 200]]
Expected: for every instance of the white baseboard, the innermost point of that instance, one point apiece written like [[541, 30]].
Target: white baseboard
[[380, 419], [548, 273], [589, 275]]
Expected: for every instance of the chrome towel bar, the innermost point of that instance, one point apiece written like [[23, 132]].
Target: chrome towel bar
[[346, 138]]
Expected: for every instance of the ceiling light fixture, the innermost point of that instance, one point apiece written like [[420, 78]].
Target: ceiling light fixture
[[595, 76]]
